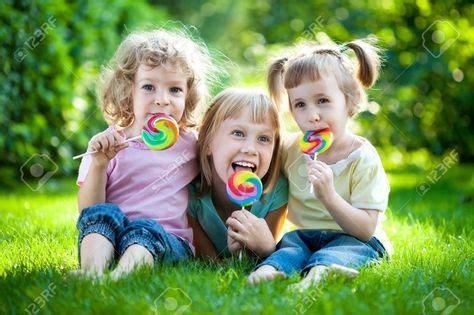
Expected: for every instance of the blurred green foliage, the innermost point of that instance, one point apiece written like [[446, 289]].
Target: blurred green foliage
[[421, 106]]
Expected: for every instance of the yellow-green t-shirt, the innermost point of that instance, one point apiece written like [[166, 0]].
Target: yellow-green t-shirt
[[359, 179]]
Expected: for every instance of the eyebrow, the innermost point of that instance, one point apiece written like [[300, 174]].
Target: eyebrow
[[317, 94], [266, 130], [175, 82]]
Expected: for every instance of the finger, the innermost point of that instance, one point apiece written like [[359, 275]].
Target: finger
[[235, 225], [104, 143], [95, 146], [118, 138], [247, 213], [236, 236], [313, 179], [315, 172], [239, 215], [120, 147], [110, 139]]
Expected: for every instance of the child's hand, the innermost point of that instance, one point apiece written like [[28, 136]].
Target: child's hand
[[107, 144], [252, 231], [321, 177], [233, 245]]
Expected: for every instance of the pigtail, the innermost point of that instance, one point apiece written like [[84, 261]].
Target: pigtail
[[369, 61], [275, 81]]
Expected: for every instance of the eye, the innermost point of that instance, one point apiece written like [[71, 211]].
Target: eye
[[176, 89], [299, 105], [323, 100], [265, 139], [148, 87], [237, 133]]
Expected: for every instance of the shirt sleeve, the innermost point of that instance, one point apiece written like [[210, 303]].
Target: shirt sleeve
[[83, 169], [369, 184], [279, 194], [192, 201]]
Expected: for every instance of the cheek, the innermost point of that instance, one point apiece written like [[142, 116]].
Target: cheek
[[267, 155]]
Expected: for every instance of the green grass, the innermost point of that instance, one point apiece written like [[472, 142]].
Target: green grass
[[432, 236]]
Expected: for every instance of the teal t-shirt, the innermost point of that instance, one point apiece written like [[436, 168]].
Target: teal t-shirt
[[205, 213]]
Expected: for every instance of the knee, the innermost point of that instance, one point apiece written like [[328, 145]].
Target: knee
[[103, 212]]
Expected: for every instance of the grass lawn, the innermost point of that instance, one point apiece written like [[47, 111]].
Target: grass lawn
[[433, 262]]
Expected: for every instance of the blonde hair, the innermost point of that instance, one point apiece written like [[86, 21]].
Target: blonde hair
[[229, 104], [153, 49], [313, 61]]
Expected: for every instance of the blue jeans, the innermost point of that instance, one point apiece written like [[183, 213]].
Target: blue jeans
[[108, 220], [300, 250]]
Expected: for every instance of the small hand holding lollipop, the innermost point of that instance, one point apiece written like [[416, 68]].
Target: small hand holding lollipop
[[315, 142], [244, 188]]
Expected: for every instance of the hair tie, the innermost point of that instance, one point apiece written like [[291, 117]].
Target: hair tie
[[343, 47]]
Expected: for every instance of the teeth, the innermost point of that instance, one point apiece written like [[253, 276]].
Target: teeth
[[245, 164]]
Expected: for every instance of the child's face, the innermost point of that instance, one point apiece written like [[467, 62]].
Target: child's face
[[319, 104], [158, 90], [241, 144]]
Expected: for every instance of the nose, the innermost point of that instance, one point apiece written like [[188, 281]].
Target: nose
[[249, 147], [314, 116], [162, 98]]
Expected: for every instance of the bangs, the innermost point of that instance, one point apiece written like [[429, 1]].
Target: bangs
[[312, 68], [259, 106]]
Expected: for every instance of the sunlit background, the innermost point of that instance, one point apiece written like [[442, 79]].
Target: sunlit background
[[51, 53]]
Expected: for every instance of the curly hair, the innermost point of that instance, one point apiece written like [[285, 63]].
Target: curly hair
[[153, 49]]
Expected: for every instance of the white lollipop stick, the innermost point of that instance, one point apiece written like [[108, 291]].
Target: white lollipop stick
[[311, 189], [92, 152]]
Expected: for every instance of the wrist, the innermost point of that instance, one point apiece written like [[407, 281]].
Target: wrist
[[329, 197], [99, 164]]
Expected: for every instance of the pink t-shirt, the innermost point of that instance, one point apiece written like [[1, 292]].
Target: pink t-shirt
[[152, 184]]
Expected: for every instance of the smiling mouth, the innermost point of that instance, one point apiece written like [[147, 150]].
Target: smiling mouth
[[244, 166]]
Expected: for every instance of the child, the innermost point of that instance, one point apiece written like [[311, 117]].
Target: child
[[339, 226], [132, 199], [240, 131]]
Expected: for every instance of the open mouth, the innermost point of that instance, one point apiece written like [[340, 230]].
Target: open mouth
[[244, 166]]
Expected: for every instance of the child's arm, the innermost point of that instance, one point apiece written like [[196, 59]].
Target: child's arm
[[202, 243], [360, 223], [92, 190]]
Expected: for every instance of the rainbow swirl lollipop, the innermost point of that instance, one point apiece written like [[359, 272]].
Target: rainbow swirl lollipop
[[160, 132], [315, 142], [244, 188]]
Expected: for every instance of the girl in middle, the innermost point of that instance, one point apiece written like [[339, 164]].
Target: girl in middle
[[239, 131]]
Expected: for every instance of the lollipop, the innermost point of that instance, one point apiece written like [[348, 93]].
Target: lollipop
[[315, 142], [160, 132], [244, 188]]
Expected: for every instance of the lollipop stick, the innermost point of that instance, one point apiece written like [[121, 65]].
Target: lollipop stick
[[311, 189], [92, 152], [241, 250]]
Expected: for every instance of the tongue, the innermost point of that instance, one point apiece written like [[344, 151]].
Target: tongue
[[242, 168]]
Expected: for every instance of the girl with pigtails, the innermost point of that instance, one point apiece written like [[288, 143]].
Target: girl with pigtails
[[338, 222]]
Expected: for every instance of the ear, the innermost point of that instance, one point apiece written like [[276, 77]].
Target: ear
[[351, 103]]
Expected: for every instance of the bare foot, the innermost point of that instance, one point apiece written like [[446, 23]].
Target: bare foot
[[346, 272], [264, 273], [315, 276], [91, 275], [319, 273], [134, 257], [97, 252]]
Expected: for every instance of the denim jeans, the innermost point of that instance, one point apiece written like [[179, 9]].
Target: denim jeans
[[300, 250], [108, 220]]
